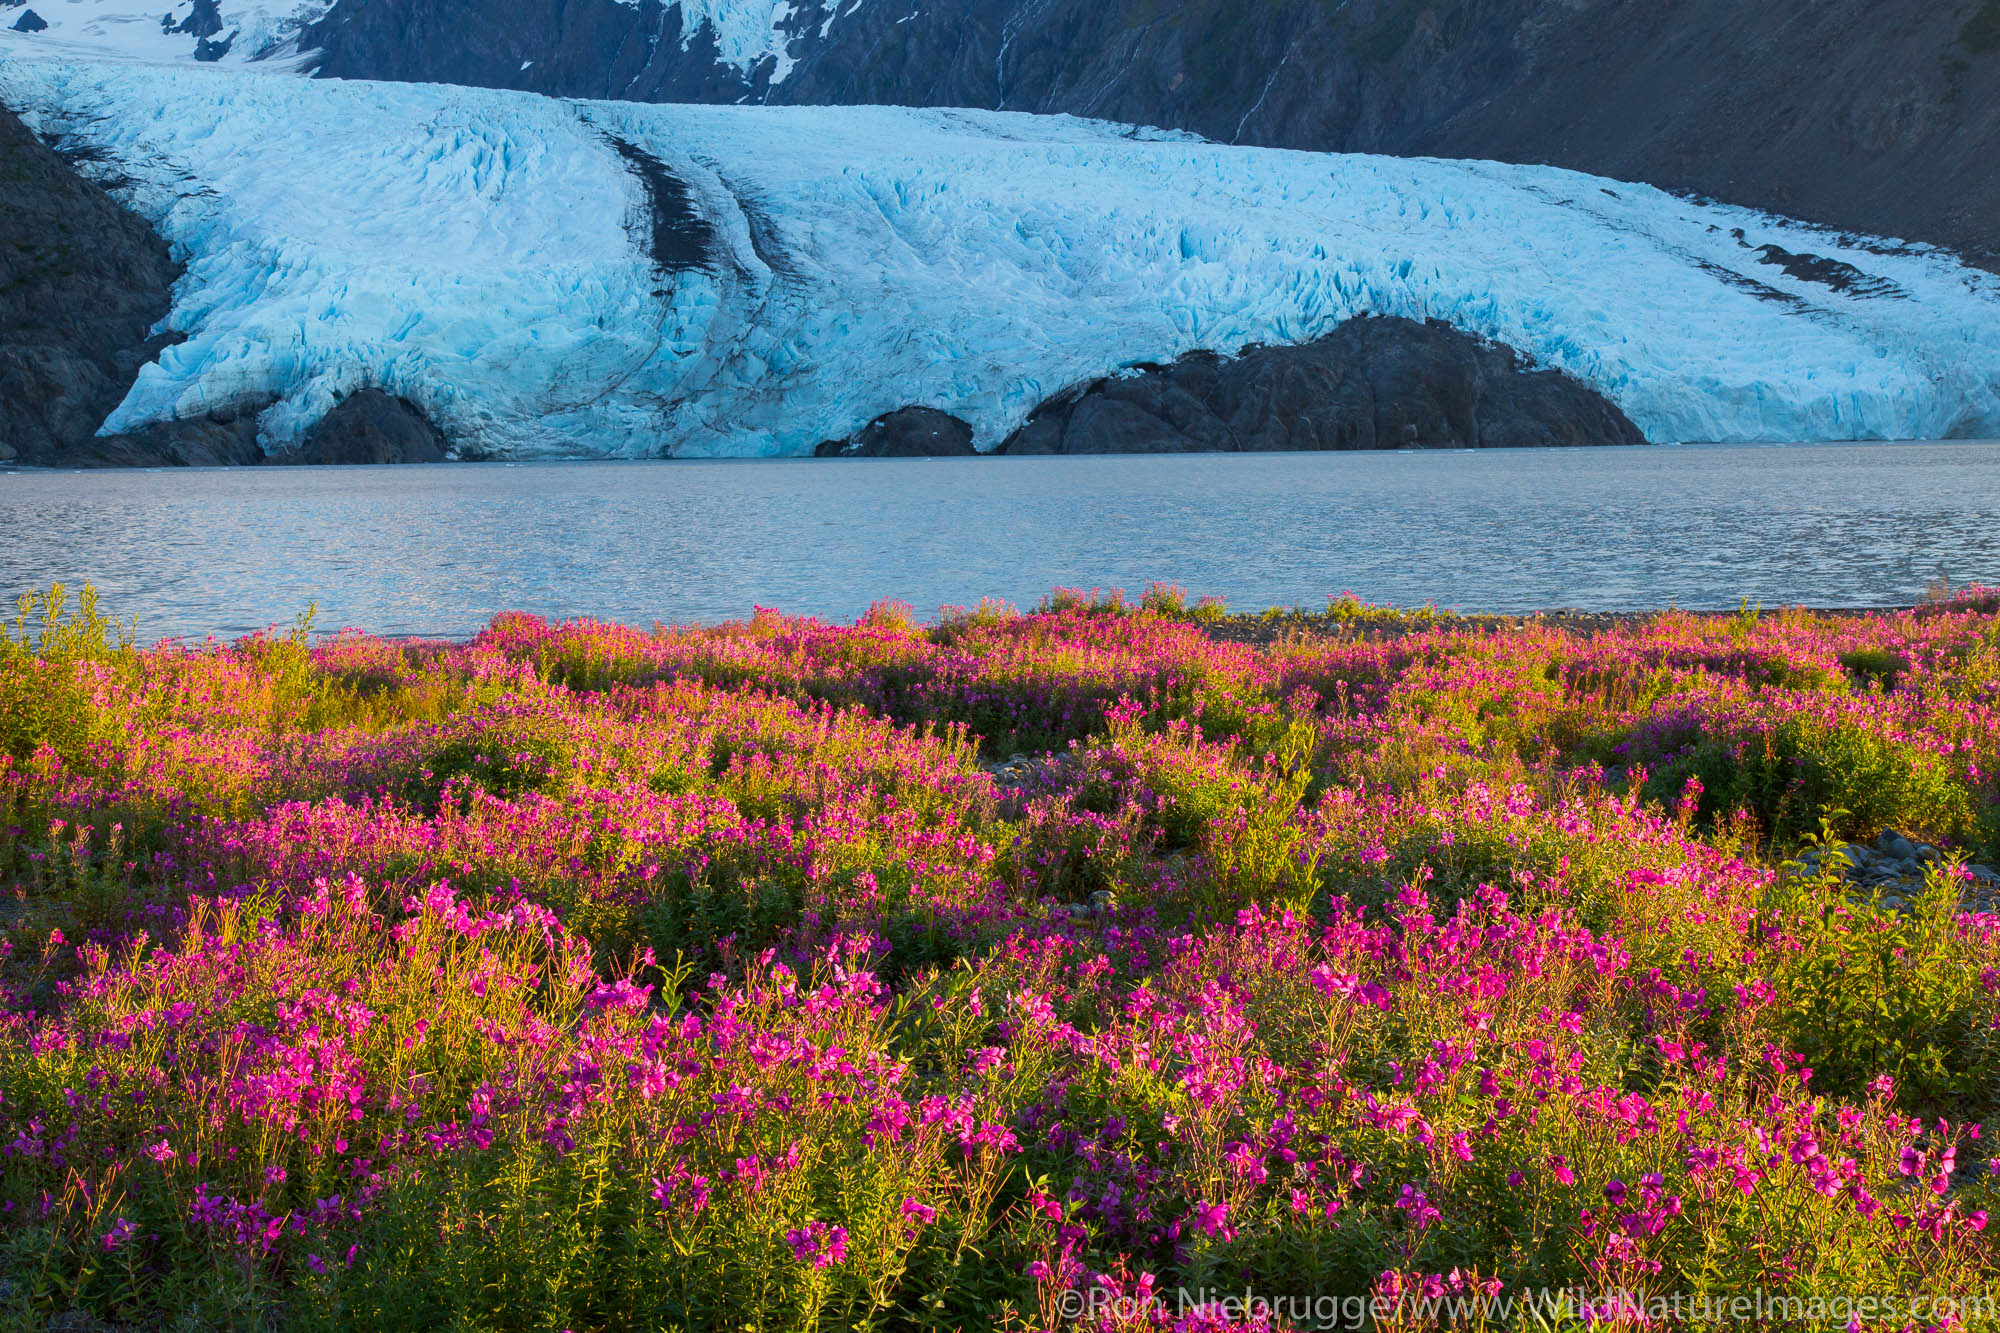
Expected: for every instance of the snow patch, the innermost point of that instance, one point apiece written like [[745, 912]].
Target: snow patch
[[236, 32], [747, 32], [485, 254]]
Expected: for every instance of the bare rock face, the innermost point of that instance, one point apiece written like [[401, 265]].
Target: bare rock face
[[83, 282], [366, 427], [371, 427], [225, 437], [1370, 384], [909, 432]]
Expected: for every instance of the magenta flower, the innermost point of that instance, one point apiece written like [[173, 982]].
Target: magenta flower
[[818, 1244], [1212, 1219]]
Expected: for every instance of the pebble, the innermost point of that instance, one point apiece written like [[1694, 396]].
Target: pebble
[[1013, 771], [1896, 845], [1895, 867], [1101, 903]]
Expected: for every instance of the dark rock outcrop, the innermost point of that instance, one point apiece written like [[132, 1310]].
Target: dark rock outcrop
[[30, 21], [1370, 384], [224, 437], [1865, 116], [83, 282], [365, 427], [371, 427], [908, 432], [1373, 383]]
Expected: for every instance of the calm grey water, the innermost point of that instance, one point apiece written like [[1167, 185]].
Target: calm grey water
[[438, 550]]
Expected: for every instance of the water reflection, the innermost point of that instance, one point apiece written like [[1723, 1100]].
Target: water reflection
[[438, 550]]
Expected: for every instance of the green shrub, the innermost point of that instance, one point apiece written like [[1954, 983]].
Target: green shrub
[[1164, 599], [1874, 990], [48, 661], [1873, 665], [507, 762], [1803, 772]]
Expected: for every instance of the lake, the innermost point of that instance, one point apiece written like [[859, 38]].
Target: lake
[[438, 550]]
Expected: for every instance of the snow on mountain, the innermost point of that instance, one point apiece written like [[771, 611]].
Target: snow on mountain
[[747, 32], [214, 31], [492, 257]]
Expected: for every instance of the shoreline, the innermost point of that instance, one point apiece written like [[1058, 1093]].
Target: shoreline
[[1258, 629], [1357, 622], [48, 469], [1373, 622]]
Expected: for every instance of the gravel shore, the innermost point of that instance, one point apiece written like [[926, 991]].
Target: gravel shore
[[1379, 623]]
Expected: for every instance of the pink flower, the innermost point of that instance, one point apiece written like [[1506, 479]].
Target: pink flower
[[1419, 1207], [621, 994], [818, 1244], [1212, 1219]]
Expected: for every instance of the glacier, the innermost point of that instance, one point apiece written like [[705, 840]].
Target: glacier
[[488, 255]]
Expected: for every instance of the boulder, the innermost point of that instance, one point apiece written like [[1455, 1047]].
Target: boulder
[[1373, 383], [908, 432], [371, 427], [1893, 844]]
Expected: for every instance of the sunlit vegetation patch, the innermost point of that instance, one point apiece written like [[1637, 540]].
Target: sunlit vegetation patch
[[967, 974]]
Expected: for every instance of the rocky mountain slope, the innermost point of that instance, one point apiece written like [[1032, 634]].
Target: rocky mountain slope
[[1881, 118], [83, 282]]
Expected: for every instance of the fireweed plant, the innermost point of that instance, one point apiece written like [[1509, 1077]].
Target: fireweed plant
[[785, 975]]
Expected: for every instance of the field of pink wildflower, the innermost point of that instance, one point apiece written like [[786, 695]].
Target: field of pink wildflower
[[1075, 969]]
